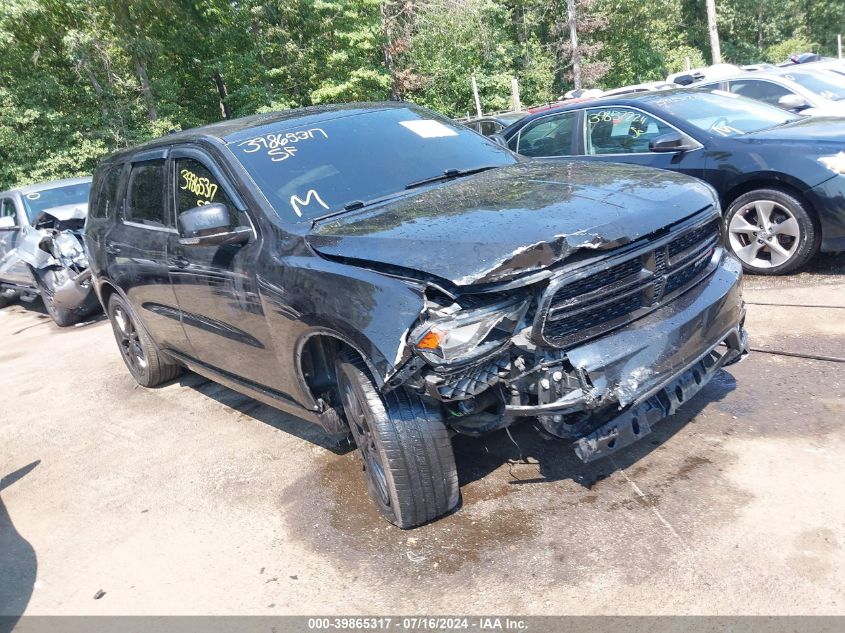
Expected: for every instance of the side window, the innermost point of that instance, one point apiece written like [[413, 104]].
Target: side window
[[196, 186], [145, 194], [764, 91], [549, 136], [7, 209], [106, 192], [621, 131], [490, 127]]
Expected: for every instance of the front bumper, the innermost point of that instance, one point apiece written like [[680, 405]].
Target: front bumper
[[641, 373], [637, 420], [74, 291], [828, 201]]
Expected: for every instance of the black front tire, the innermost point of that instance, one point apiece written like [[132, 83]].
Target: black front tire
[[144, 360], [406, 448]]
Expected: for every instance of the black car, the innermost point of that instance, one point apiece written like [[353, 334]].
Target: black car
[[779, 176], [379, 270], [494, 123]]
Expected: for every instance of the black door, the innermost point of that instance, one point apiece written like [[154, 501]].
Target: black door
[[622, 135], [138, 246], [548, 136], [216, 285]]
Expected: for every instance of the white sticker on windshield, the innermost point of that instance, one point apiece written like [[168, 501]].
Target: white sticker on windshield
[[33, 196], [428, 128]]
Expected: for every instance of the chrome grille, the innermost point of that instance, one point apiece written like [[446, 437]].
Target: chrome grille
[[589, 302]]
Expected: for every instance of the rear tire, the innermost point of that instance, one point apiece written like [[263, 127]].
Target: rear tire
[[408, 458], [145, 362], [771, 232]]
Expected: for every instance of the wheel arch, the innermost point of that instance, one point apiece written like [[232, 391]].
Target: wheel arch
[[775, 181], [105, 289], [314, 363]]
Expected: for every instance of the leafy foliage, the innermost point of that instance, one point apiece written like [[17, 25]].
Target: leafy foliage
[[81, 79]]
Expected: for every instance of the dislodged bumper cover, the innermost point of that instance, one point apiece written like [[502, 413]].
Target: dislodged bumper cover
[[637, 420], [635, 359], [631, 366]]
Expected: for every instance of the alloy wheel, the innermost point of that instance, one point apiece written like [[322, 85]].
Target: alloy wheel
[[129, 341], [764, 234], [360, 422]]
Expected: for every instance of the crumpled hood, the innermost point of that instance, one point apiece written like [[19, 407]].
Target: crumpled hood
[[63, 213], [508, 221]]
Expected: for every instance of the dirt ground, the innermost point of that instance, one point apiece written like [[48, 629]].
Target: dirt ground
[[191, 499]]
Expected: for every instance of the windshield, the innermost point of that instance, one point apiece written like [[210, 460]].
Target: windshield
[[723, 113], [37, 201], [828, 86], [308, 170]]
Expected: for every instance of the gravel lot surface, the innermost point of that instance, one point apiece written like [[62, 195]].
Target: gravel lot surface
[[192, 499]]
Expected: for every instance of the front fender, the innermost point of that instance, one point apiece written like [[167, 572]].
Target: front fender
[[30, 254], [370, 311]]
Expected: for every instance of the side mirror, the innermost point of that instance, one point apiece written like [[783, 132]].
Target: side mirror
[[672, 142], [210, 224], [499, 139], [7, 223], [793, 102]]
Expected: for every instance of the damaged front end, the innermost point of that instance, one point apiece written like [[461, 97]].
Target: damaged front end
[[57, 255], [598, 352]]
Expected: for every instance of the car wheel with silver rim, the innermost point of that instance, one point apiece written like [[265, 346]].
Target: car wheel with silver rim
[[770, 231]]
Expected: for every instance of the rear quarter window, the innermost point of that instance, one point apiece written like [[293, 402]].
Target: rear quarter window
[[145, 195], [105, 192]]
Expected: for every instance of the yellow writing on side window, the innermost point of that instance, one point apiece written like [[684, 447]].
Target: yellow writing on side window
[[199, 186]]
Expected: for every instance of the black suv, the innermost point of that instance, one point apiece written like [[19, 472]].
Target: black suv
[[381, 271]]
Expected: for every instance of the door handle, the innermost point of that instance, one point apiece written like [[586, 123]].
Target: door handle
[[179, 262]]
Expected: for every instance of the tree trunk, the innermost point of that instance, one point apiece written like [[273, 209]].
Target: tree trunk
[[387, 50], [255, 29], [222, 93], [141, 70], [714, 32], [573, 42], [98, 89]]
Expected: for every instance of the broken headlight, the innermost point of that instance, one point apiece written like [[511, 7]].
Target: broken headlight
[[469, 334], [68, 247]]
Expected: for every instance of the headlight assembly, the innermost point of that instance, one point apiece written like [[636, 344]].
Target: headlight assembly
[[468, 334], [67, 245], [835, 163]]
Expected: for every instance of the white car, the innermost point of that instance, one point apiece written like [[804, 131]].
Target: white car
[[716, 71], [836, 66], [41, 251], [799, 88], [649, 86]]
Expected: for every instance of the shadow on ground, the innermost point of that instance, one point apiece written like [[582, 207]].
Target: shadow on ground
[[18, 563], [556, 460], [263, 413]]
